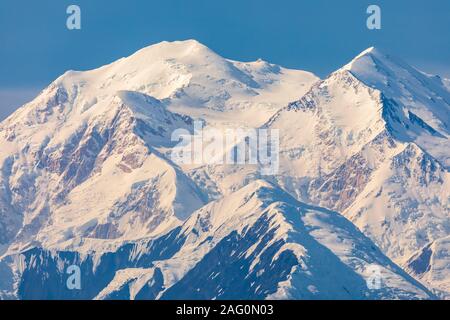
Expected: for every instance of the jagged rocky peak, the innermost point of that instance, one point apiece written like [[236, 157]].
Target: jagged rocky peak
[[381, 92], [373, 66], [421, 93], [366, 58]]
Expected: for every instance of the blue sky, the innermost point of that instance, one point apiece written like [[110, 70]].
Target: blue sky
[[314, 35]]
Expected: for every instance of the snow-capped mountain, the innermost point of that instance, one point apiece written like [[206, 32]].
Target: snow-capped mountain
[[374, 145], [87, 152], [86, 179]]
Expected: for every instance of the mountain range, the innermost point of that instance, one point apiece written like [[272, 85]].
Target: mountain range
[[363, 182]]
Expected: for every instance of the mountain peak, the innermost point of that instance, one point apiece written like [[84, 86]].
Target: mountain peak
[[191, 44], [370, 50], [365, 59], [174, 49]]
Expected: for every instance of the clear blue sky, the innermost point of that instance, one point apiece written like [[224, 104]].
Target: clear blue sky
[[314, 35]]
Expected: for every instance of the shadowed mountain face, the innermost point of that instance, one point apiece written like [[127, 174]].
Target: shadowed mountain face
[[256, 243], [87, 180]]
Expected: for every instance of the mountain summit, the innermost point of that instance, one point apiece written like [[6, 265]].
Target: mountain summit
[[417, 103]]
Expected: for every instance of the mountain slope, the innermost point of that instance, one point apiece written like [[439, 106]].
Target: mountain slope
[[430, 265], [331, 255], [256, 243], [100, 176]]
